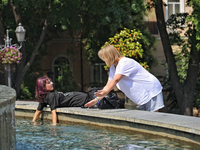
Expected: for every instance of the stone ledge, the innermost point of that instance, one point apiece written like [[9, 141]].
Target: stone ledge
[[7, 95]]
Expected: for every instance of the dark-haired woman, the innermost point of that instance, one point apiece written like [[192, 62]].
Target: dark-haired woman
[[45, 96]]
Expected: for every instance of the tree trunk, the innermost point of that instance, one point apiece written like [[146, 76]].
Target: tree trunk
[[22, 69], [1, 30], [186, 106], [19, 77], [191, 79], [184, 93], [16, 13], [21, 74]]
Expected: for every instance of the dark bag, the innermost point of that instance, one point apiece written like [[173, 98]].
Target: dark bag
[[110, 101], [91, 92]]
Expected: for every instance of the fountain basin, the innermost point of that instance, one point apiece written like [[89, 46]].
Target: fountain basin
[[7, 118], [179, 128]]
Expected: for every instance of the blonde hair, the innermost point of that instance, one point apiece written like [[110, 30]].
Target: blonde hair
[[109, 54]]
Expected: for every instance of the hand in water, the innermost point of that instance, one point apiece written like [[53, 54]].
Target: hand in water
[[53, 124], [35, 123]]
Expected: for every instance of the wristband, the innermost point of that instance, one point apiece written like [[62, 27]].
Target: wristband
[[97, 99]]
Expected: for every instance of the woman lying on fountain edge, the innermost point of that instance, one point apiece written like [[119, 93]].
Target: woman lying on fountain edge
[[46, 96]]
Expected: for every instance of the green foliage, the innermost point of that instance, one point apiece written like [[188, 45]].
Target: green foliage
[[171, 97], [182, 66], [25, 93], [195, 17], [127, 42], [95, 21], [197, 94], [28, 86], [176, 24], [65, 81], [103, 19]]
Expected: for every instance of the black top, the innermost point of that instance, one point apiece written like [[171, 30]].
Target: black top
[[60, 99]]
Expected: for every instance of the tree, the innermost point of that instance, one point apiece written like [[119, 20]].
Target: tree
[[184, 92], [103, 19], [18, 14], [93, 21]]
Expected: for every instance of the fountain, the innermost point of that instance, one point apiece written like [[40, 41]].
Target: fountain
[[178, 128], [7, 118]]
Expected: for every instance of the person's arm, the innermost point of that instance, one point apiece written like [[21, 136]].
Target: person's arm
[[102, 93], [38, 111], [109, 86], [54, 117], [93, 102], [36, 115]]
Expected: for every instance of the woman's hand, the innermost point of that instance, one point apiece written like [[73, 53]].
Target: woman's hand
[[91, 103], [100, 93], [109, 86], [35, 123]]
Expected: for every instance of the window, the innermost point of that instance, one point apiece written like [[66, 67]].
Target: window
[[99, 75], [61, 66], [174, 6], [62, 74]]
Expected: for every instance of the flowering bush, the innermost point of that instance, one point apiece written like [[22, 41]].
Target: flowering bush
[[127, 42], [10, 55]]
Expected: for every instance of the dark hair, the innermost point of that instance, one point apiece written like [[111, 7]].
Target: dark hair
[[40, 88]]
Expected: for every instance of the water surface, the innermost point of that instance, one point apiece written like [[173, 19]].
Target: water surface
[[43, 136]]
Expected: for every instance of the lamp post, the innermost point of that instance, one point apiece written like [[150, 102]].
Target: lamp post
[[20, 34]]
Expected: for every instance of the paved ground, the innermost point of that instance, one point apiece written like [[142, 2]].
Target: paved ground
[[176, 127]]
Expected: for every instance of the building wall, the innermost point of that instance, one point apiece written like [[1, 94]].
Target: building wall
[[70, 48], [160, 69]]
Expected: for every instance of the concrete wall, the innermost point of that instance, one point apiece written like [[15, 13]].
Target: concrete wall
[[7, 118]]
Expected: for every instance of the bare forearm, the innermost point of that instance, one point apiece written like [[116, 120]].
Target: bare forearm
[[102, 93], [54, 117], [111, 84], [99, 98]]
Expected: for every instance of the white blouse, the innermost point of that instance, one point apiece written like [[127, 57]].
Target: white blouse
[[137, 84]]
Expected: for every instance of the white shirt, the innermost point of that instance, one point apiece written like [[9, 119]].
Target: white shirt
[[137, 84]]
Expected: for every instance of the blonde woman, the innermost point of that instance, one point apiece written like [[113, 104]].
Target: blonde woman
[[140, 86]]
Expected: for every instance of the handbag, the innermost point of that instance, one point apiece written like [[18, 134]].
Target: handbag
[[111, 102]]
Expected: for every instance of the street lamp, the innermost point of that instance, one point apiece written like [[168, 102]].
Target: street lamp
[[20, 34]]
